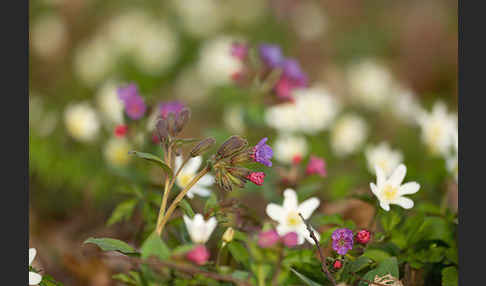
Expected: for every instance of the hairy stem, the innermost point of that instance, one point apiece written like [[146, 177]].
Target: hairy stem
[[166, 189]]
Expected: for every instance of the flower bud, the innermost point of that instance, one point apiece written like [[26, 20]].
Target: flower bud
[[202, 146], [256, 178], [162, 130], [231, 146], [181, 119], [363, 236], [228, 235], [290, 239], [198, 254], [121, 130], [337, 264], [222, 180], [268, 238]]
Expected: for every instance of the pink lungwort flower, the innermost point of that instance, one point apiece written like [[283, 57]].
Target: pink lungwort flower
[[198, 254], [290, 239], [317, 166], [256, 178], [134, 104], [268, 238], [170, 107], [239, 51]]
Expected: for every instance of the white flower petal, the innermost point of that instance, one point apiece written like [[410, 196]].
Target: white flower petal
[[306, 234], [187, 222], [398, 175], [32, 254], [206, 180], [34, 278], [380, 176], [192, 165], [210, 226], [409, 188], [374, 189], [404, 202], [307, 207], [275, 212], [290, 199], [190, 194], [283, 229], [178, 162], [200, 191], [384, 206]]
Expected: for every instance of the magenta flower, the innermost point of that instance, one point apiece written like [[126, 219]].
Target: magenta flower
[[363, 236], [198, 254], [342, 240], [134, 104], [256, 178], [170, 107], [268, 238], [271, 55], [292, 70], [262, 153], [290, 239], [239, 51], [317, 166]]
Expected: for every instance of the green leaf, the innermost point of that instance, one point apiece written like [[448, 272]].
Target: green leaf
[[181, 249], [326, 235], [122, 212], [334, 219], [304, 278], [388, 266], [389, 220], [154, 246], [111, 244], [359, 264], [154, 159], [184, 204], [239, 252], [377, 255], [449, 276], [211, 203]]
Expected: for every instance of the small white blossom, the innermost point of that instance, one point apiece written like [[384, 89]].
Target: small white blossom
[[405, 106], [438, 128], [288, 147], [94, 60], [233, 118], [116, 152], [283, 117], [287, 215], [188, 172], [191, 14], [199, 229], [81, 122], [109, 103], [390, 190], [383, 156], [453, 159], [348, 134], [34, 278]]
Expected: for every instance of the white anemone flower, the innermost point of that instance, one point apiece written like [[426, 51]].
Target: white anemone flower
[[438, 128], [390, 190], [188, 172], [288, 217], [348, 134], [109, 104], [82, 122], [288, 147], [199, 229], [453, 160], [283, 117], [383, 156], [116, 152], [34, 278]]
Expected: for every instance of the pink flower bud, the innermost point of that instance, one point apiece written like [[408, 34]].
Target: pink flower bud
[[290, 239], [198, 254], [337, 264], [316, 165], [268, 238], [256, 178], [121, 130], [363, 236], [296, 159]]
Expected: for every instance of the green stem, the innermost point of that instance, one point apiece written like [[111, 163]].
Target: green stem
[[166, 189]]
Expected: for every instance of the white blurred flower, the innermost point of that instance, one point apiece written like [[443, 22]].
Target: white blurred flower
[[188, 172], [288, 217], [233, 118], [348, 134], [109, 103], [283, 117], [199, 229], [438, 128], [94, 60], [308, 20], [81, 122], [405, 106], [289, 147], [453, 159], [370, 83], [189, 87], [202, 17], [216, 64], [383, 156], [116, 152], [124, 30], [48, 35], [390, 190], [34, 278]]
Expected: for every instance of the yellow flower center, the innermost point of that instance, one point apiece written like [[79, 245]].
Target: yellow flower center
[[390, 192], [184, 179], [293, 219]]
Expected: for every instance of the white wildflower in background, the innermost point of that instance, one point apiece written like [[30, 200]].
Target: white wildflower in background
[[233, 118], [287, 215], [438, 128], [370, 83], [116, 152], [383, 156], [200, 18], [81, 122], [288, 148], [48, 35], [390, 190], [405, 106], [453, 159], [94, 60], [188, 172], [348, 134], [34, 278], [124, 30], [199, 229], [309, 21], [189, 86], [283, 117], [109, 103], [216, 64]]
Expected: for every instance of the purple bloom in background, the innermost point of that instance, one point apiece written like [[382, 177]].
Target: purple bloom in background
[[317, 166], [239, 51], [268, 238], [291, 69], [134, 104], [271, 55], [262, 153], [170, 107], [342, 240], [290, 239]]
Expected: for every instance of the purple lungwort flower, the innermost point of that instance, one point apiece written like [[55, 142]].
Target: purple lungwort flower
[[134, 104], [262, 153], [342, 240], [170, 107], [292, 70], [271, 55]]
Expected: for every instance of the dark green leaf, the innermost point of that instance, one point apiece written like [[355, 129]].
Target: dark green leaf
[[334, 219], [154, 246], [122, 212], [389, 220], [111, 244], [388, 266], [304, 279], [186, 207], [377, 255], [239, 252], [154, 159], [449, 276], [359, 264]]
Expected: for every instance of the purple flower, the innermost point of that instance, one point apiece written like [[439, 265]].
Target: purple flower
[[134, 104], [342, 240], [291, 69], [271, 55], [170, 107], [262, 153]]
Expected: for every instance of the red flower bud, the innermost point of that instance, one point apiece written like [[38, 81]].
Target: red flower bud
[[296, 159], [256, 178], [121, 130], [198, 255], [337, 264], [363, 236]]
